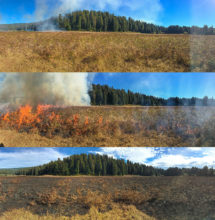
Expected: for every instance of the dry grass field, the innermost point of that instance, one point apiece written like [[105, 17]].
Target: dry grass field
[[118, 212], [105, 52], [108, 126], [129, 197]]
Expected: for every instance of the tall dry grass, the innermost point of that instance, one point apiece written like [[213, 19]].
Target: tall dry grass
[[118, 213], [96, 52], [113, 126]]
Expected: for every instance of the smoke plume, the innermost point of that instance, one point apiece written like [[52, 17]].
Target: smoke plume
[[63, 89]]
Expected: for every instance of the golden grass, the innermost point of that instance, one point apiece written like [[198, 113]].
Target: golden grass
[[118, 213], [11, 138], [14, 139], [100, 52]]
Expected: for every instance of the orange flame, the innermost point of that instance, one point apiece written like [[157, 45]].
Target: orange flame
[[86, 120], [100, 120], [76, 119], [26, 118], [25, 115], [52, 116], [6, 117]]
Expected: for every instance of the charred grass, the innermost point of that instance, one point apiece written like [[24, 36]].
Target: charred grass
[[82, 197], [111, 126], [119, 213], [105, 52]]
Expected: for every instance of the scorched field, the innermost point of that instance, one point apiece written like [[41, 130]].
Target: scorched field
[[129, 197]]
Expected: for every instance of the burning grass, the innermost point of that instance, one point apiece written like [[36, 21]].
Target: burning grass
[[49, 122], [85, 197], [108, 126], [105, 52]]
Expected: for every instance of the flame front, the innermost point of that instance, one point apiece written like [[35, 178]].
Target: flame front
[[47, 119], [50, 121]]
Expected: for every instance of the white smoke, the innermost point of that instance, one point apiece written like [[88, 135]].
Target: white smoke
[[42, 9], [47, 26], [63, 89], [72, 5]]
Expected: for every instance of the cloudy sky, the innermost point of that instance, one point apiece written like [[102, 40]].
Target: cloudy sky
[[164, 12], [158, 157]]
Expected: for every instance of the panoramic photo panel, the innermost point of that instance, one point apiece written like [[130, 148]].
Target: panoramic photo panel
[[107, 36], [107, 109], [102, 183]]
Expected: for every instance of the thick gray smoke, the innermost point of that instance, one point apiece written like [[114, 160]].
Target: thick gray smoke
[[63, 89]]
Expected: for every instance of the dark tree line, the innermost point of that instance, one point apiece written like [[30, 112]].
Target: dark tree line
[[104, 21], [8, 171], [105, 95], [19, 27], [90, 165], [98, 165]]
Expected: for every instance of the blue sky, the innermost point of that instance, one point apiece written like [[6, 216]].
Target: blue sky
[[161, 84], [157, 157], [164, 12]]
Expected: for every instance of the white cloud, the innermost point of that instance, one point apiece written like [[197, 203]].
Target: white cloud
[[134, 154], [187, 157], [157, 157], [194, 148], [165, 157], [147, 10], [28, 157], [151, 9]]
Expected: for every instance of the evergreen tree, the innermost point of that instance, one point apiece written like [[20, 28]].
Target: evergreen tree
[[114, 168], [98, 166], [104, 95], [104, 21], [79, 22]]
